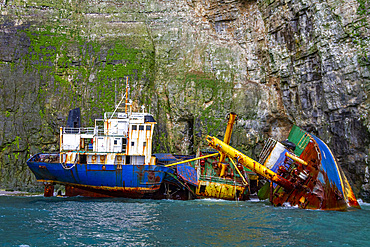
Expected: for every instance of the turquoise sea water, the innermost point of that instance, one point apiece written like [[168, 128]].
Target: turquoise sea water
[[39, 221]]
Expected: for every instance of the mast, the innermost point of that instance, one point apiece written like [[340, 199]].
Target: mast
[[126, 94]]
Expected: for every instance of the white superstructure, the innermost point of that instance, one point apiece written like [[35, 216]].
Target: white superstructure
[[120, 138]]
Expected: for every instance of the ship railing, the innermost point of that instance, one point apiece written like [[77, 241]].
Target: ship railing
[[231, 181], [69, 130], [108, 115], [266, 151], [84, 131]]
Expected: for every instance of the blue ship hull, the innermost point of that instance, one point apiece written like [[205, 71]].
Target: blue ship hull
[[107, 180]]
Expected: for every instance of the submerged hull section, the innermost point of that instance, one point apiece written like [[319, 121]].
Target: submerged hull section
[[330, 187], [221, 190], [210, 184], [302, 172]]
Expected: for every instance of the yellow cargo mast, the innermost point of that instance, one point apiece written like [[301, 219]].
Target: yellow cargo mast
[[230, 124], [232, 153]]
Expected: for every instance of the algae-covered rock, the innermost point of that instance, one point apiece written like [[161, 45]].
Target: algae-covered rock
[[274, 63]]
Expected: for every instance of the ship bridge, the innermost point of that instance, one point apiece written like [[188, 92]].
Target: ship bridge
[[118, 133]]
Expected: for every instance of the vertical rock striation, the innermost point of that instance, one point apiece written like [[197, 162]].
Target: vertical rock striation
[[318, 52], [274, 63]]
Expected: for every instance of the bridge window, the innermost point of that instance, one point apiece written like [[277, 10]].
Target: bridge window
[[124, 141], [134, 127], [141, 127], [148, 127]]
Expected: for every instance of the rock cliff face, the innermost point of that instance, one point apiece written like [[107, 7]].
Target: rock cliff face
[[274, 63]]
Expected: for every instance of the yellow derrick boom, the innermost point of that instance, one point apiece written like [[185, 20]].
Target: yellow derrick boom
[[225, 149]]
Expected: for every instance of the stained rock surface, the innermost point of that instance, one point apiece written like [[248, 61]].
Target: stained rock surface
[[274, 63]]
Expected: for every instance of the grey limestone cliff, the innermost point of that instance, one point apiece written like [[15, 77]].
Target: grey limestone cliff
[[274, 63]]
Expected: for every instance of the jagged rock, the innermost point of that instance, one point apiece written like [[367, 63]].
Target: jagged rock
[[274, 63]]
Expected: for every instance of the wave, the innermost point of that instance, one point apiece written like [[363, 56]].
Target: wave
[[361, 202], [213, 200]]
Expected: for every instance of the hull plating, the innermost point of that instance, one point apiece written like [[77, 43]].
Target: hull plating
[[208, 189], [127, 178]]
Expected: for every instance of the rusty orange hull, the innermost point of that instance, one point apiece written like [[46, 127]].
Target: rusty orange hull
[[90, 191], [302, 171]]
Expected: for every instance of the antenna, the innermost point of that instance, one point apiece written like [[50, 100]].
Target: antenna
[[130, 106], [116, 108], [126, 94], [115, 92]]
